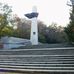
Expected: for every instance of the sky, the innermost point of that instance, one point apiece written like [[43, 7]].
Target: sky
[[50, 11]]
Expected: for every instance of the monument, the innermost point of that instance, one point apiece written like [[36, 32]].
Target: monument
[[34, 28]]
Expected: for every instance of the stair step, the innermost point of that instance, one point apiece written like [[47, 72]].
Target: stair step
[[38, 65], [32, 67]]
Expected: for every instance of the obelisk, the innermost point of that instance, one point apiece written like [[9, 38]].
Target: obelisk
[[34, 27]]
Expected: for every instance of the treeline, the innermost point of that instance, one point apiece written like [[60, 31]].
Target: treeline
[[51, 34], [21, 27]]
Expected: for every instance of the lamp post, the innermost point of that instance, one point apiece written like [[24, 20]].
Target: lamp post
[[34, 29]]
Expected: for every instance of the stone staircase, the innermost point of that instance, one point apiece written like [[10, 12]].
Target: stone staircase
[[44, 60]]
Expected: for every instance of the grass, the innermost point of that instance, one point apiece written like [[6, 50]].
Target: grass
[[37, 73], [8, 73]]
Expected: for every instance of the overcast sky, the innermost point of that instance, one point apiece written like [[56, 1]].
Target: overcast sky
[[49, 10]]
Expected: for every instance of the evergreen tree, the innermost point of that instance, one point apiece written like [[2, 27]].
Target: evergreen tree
[[70, 28]]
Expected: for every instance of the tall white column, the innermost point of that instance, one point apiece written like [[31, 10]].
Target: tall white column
[[34, 29]]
